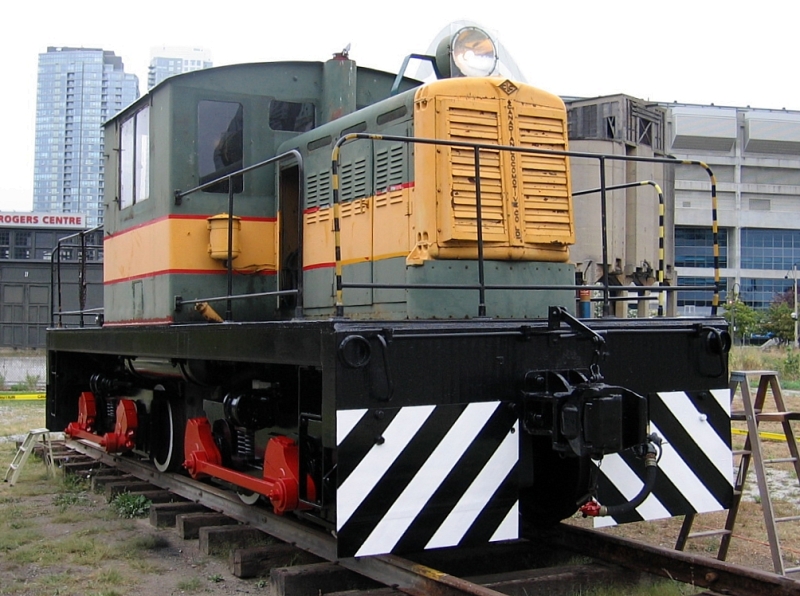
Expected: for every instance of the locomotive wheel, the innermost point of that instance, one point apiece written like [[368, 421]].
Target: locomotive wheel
[[167, 430], [558, 484], [248, 498]]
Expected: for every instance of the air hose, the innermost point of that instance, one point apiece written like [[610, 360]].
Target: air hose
[[651, 457]]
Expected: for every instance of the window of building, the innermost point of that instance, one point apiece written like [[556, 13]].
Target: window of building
[[770, 249], [5, 244], [761, 293], [22, 245], [699, 298], [694, 247], [135, 158], [220, 143]]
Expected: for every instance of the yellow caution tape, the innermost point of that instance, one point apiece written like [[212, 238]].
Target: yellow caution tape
[[763, 435], [22, 397]]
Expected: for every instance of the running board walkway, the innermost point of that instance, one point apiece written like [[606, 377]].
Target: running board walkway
[[33, 436], [753, 414]]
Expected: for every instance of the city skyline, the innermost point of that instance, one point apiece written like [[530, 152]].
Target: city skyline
[[77, 90]]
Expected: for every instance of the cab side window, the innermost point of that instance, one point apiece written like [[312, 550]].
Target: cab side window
[[220, 143]]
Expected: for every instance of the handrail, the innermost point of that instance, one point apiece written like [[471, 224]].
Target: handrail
[[661, 259], [229, 297], [55, 278], [477, 147]]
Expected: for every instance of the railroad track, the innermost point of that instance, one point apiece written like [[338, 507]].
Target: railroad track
[[422, 576]]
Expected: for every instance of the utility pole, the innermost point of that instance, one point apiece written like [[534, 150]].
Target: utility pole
[[794, 314]]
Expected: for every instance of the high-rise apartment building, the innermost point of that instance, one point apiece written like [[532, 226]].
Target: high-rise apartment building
[[167, 61], [78, 90]]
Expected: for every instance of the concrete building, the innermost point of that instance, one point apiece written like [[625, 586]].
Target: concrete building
[[27, 241], [77, 90], [623, 126], [168, 61], [755, 156]]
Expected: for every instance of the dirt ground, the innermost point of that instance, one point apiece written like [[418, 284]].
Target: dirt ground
[[58, 539]]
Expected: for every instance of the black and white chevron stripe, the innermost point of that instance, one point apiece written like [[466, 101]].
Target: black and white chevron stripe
[[424, 477], [695, 472]]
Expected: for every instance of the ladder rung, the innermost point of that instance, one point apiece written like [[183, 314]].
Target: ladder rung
[[791, 570], [780, 460], [777, 416], [786, 519], [708, 533], [741, 452], [738, 415]]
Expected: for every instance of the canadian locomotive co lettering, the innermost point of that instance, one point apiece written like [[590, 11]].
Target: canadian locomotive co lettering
[[380, 343]]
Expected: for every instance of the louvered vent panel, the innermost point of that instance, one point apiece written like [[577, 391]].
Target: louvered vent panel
[[312, 191], [390, 172], [318, 196], [544, 179], [353, 180], [476, 126]]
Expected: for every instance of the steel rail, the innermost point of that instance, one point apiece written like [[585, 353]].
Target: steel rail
[[700, 571], [391, 570]]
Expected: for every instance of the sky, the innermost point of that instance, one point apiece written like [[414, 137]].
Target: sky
[[699, 51]]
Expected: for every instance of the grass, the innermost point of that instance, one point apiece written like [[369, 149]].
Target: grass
[[646, 588], [784, 360], [148, 542], [18, 417], [189, 585]]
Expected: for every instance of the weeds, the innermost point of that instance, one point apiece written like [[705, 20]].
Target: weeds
[[216, 578], [66, 500], [110, 577], [189, 585], [74, 484], [130, 506], [148, 542]]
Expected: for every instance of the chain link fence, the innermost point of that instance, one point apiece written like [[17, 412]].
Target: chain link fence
[[22, 372]]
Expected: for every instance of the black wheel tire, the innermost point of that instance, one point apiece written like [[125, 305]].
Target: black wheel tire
[[167, 428], [558, 483]]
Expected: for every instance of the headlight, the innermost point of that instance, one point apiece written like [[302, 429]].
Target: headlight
[[469, 52], [474, 52]]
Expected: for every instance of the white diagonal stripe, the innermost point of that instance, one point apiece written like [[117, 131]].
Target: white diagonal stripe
[[372, 468], [346, 421], [685, 480], [700, 430], [628, 484], [509, 527], [478, 494], [427, 480], [723, 397]]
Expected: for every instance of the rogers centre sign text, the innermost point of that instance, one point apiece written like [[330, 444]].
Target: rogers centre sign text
[[43, 220]]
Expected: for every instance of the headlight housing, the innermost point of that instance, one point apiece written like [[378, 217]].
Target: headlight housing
[[470, 52]]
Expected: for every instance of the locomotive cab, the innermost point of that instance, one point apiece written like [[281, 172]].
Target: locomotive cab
[[185, 133]]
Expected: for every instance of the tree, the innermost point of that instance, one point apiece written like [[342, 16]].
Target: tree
[[743, 319], [779, 321]]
